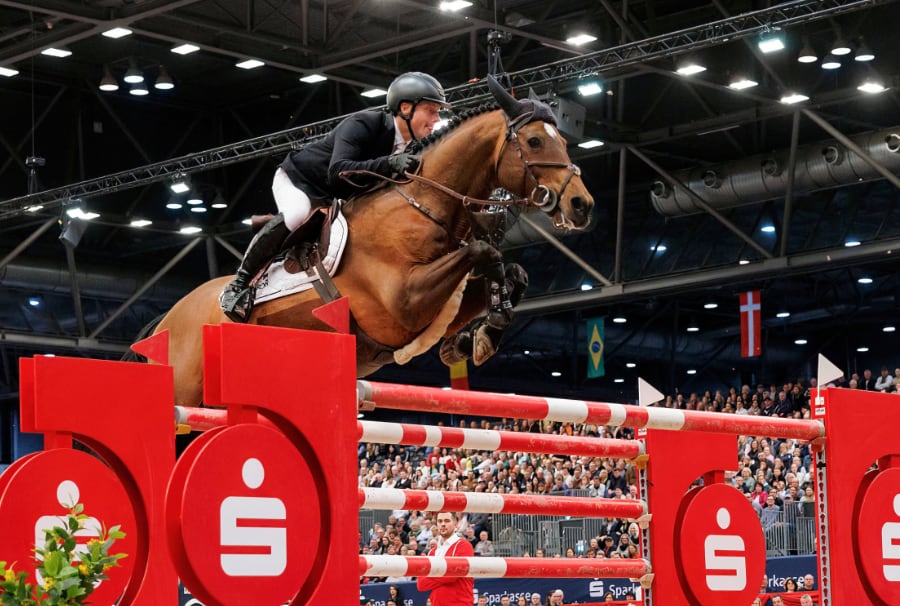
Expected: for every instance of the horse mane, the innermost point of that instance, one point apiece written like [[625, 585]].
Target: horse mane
[[419, 145]]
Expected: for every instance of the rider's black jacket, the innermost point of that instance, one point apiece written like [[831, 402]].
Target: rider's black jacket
[[362, 141]]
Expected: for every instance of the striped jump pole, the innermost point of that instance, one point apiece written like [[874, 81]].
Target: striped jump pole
[[487, 439], [450, 401], [508, 568], [204, 419], [482, 502]]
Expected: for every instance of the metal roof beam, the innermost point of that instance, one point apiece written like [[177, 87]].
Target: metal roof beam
[[703, 36], [699, 279]]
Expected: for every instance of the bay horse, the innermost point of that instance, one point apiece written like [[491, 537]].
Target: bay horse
[[410, 245]]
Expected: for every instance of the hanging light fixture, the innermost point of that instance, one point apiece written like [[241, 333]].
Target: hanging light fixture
[[831, 62], [139, 89], [807, 53], [688, 66], [164, 80], [771, 41], [863, 52], [840, 46], [108, 83], [133, 75]]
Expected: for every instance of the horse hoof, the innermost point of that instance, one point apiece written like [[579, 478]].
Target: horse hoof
[[453, 349], [483, 346]]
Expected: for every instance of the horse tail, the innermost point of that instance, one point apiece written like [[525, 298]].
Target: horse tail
[[146, 331]]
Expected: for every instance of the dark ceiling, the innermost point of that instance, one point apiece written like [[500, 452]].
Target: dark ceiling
[[93, 300]]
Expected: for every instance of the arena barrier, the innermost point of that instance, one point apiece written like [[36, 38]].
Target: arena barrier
[[257, 510]]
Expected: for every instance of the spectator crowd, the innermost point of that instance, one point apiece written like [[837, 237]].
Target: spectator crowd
[[776, 475]]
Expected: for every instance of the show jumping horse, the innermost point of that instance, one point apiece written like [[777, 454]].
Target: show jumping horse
[[410, 246]]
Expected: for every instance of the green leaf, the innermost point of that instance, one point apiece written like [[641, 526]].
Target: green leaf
[[67, 571], [53, 563]]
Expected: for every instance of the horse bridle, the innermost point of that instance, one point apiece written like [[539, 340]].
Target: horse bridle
[[541, 196]]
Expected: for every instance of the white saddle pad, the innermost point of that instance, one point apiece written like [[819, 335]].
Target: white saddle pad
[[278, 282]]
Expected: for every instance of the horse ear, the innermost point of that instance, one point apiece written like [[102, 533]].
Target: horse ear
[[507, 102], [532, 95]]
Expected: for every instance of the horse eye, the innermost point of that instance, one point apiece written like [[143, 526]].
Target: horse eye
[[534, 142]]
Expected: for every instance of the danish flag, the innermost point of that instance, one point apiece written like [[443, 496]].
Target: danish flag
[[751, 324]]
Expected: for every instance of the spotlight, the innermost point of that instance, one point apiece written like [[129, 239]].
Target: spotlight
[[591, 144], [373, 92], [807, 53], [185, 49], [8, 71], [164, 80], [863, 52], [139, 89], [57, 52], [133, 75], [689, 67], [872, 87], [771, 41], [831, 62], [579, 39], [180, 184], [840, 47], [249, 64], [590, 86], [117, 32], [108, 82], [792, 98], [454, 5], [313, 78], [741, 83]]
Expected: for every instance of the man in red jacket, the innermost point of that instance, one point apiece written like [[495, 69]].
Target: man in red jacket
[[449, 591]]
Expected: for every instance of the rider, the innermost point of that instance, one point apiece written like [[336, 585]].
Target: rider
[[369, 140]]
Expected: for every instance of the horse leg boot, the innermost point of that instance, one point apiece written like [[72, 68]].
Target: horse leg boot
[[486, 338], [499, 306], [237, 298]]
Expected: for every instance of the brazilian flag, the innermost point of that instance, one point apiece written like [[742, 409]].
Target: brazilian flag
[[596, 338]]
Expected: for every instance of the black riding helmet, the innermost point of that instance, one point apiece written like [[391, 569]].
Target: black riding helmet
[[414, 87]]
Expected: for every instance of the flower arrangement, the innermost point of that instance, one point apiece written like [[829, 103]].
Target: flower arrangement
[[68, 576]]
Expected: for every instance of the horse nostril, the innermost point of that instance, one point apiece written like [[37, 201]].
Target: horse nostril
[[579, 205]]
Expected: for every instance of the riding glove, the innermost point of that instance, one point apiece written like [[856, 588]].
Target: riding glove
[[403, 162]]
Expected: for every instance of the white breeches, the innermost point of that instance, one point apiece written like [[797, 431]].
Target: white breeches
[[293, 203]]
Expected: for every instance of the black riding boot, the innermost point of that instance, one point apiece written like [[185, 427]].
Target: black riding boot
[[237, 298]]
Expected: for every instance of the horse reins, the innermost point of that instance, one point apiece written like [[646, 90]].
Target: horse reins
[[541, 196]]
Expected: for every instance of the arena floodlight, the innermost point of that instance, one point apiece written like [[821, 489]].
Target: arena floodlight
[[180, 184], [807, 53], [771, 41]]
